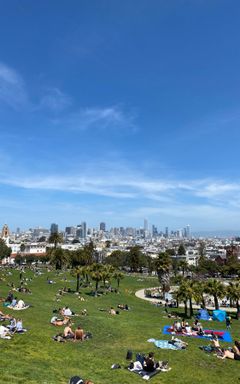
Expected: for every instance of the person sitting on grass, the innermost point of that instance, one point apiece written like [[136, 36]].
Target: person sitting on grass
[[13, 324], [67, 312], [20, 304], [19, 326], [188, 331], [112, 311], [68, 332], [79, 334], [149, 364]]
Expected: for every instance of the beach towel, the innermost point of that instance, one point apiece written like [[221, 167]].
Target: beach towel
[[18, 309], [221, 334], [164, 344]]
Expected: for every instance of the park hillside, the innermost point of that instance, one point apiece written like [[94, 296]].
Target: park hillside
[[90, 288]]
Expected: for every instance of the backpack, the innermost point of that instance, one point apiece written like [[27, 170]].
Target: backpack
[[129, 355], [76, 380]]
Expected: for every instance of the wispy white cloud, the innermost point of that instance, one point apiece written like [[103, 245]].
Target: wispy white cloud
[[12, 88], [113, 117], [55, 100]]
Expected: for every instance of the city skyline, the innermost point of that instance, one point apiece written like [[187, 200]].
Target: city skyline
[[115, 112]]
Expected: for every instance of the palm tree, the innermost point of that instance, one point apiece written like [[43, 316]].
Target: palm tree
[[233, 293], [182, 295], [96, 274], [183, 265], [55, 238], [118, 276], [78, 272], [185, 293], [58, 257], [199, 290], [163, 266], [107, 272], [216, 289]]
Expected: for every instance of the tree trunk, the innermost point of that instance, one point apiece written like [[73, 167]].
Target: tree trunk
[[78, 282], [96, 287], [190, 307], [238, 310], [203, 302], [185, 307], [216, 302]]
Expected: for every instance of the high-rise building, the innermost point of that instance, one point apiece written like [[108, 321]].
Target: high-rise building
[[166, 232], [145, 225], [103, 227], [188, 232], [70, 231], [84, 230], [54, 228]]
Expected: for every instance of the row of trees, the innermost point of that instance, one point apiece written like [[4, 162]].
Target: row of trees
[[83, 263], [191, 290]]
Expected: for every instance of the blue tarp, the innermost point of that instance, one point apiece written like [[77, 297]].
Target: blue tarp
[[222, 334], [219, 315], [203, 314]]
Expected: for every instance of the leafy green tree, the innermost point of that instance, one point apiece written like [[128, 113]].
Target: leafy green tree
[[183, 266], [181, 250], [55, 238], [58, 257], [135, 258], [117, 259], [163, 267], [216, 289], [5, 251]]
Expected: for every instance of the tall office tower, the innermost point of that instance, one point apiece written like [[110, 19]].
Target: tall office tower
[[54, 228], [70, 231], [84, 230], [145, 225], [79, 231], [166, 232], [103, 227], [154, 231], [188, 232]]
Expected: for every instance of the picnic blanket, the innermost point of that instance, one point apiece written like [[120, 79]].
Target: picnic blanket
[[144, 374], [18, 309], [221, 334], [164, 344]]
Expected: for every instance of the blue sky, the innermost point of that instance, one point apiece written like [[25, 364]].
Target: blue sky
[[118, 111]]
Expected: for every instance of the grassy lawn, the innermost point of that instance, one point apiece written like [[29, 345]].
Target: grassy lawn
[[35, 358]]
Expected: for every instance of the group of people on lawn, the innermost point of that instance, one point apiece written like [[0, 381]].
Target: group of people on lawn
[[15, 326], [68, 332], [185, 328]]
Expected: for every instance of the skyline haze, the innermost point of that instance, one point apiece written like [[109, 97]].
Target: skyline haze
[[115, 112]]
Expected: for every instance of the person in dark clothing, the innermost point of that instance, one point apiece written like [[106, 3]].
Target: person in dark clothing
[[149, 363]]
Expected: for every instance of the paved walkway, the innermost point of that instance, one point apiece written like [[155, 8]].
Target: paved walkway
[[140, 294]]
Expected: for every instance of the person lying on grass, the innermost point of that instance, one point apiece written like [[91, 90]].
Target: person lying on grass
[[4, 317], [59, 322], [234, 354]]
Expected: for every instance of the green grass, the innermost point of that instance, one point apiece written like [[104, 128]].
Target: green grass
[[35, 358]]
